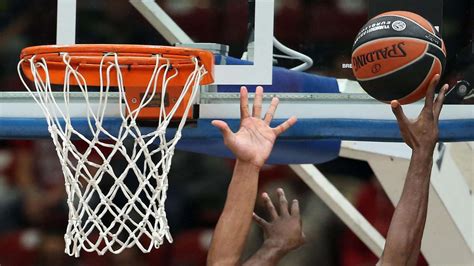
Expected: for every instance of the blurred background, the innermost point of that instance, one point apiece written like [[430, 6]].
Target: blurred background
[[33, 211]]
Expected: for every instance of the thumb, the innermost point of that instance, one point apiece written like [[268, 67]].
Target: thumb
[[259, 220], [403, 123], [398, 112], [223, 127]]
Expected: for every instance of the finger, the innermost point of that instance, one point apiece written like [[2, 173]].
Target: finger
[[398, 112], [259, 220], [270, 207], [438, 105], [285, 126], [283, 202], [431, 92], [257, 102], [295, 208], [223, 127], [244, 103], [271, 111], [403, 122]]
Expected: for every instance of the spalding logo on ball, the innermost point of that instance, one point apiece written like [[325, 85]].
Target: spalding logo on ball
[[396, 54]]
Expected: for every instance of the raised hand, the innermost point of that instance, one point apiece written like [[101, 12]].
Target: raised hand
[[284, 231], [422, 133], [254, 140], [405, 233]]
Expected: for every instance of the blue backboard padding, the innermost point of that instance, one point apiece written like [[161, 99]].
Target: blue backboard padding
[[285, 80], [201, 138], [284, 152], [304, 130], [344, 129]]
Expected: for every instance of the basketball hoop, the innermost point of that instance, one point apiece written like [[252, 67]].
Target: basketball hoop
[[167, 76]]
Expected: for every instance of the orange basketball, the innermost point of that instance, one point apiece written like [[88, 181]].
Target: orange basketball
[[396, 54]]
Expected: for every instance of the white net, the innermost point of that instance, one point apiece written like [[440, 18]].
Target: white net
[[113, 208]]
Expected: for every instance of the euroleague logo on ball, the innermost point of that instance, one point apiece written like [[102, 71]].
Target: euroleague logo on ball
[[399, 25]]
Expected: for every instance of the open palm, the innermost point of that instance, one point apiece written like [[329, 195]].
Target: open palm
[[254, 140]]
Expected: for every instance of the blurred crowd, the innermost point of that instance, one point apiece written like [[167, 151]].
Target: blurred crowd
[[33, 211]]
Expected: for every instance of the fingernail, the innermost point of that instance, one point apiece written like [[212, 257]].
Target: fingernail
[[394, 104]]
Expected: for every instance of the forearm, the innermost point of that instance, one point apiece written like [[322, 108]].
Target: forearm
[[267, 255], [233, 225], [408, 222]]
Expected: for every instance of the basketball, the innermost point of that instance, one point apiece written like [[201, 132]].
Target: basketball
[[396, 54]]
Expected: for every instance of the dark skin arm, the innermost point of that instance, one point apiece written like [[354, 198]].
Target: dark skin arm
[[408, 222], [252, 146], [282, 233]]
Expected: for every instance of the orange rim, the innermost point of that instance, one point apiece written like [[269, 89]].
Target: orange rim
[[137, 61]]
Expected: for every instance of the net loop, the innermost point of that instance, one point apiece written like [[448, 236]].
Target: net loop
[[107, 212]]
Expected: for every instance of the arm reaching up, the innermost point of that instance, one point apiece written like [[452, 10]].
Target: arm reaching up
[[282, 233], [408, 222], [252, 146]]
